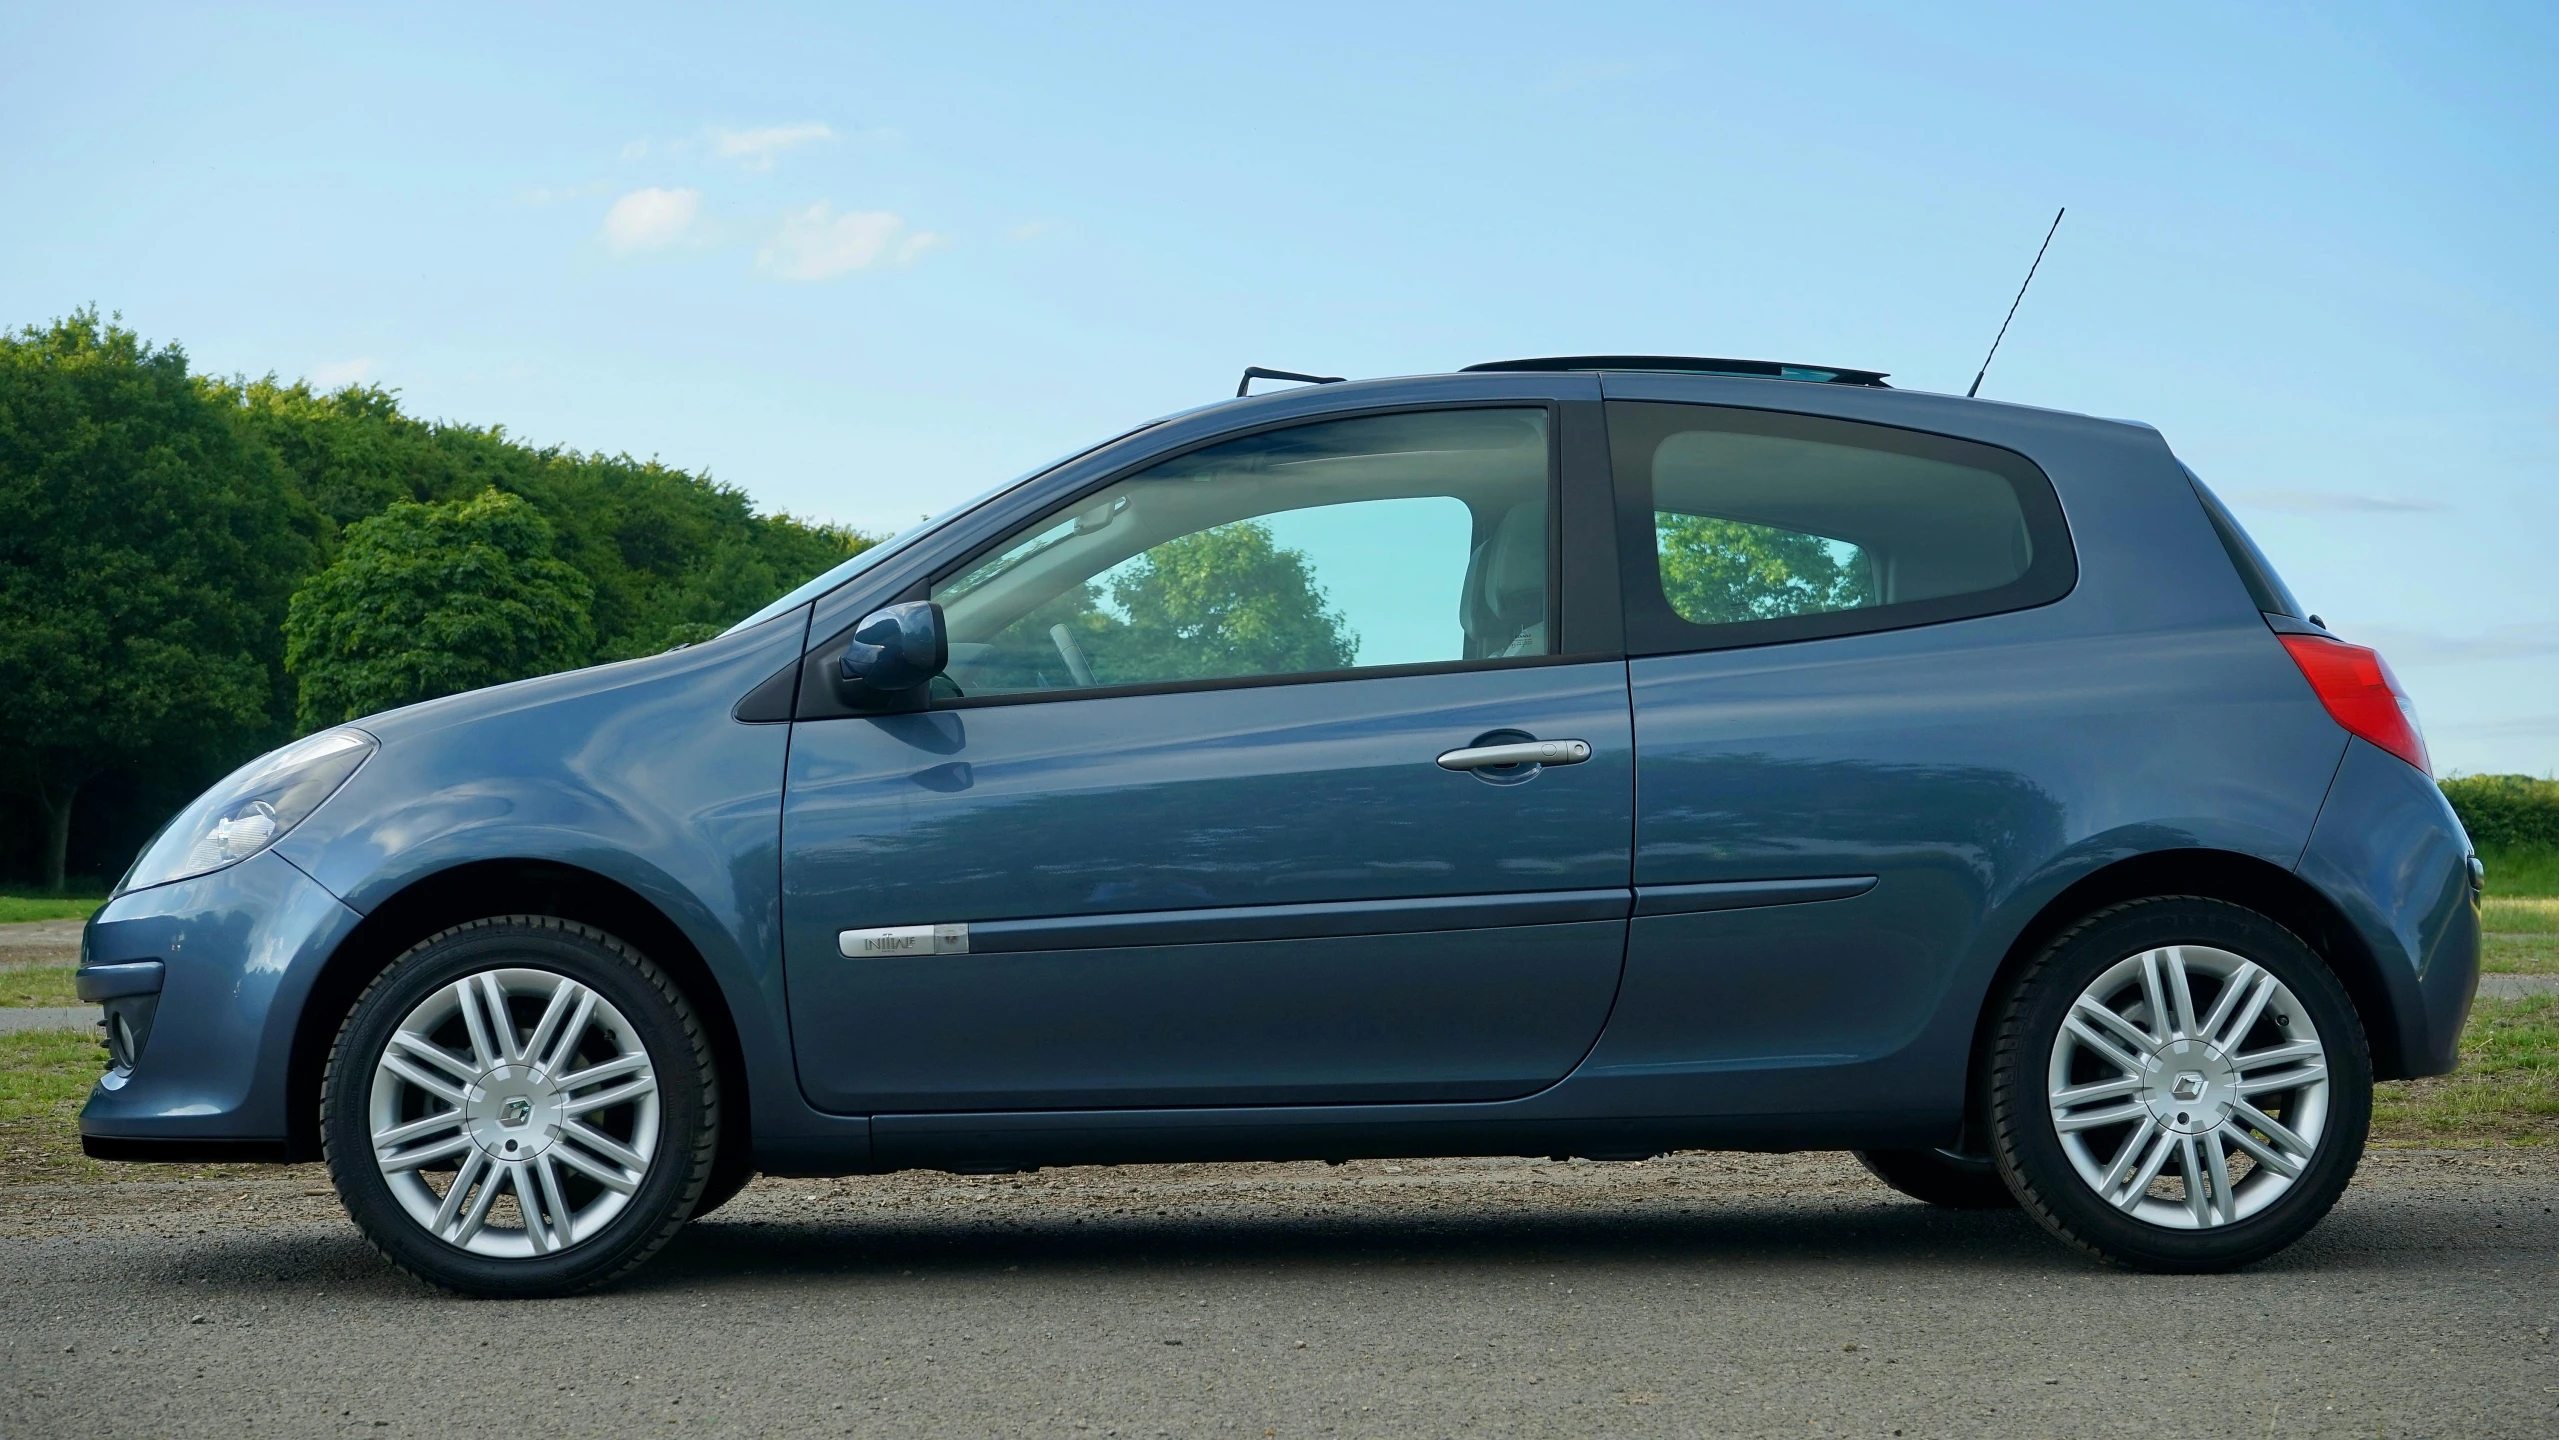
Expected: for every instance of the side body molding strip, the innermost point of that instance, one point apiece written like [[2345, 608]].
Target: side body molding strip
[[1746, 894], [1357, 917], [1294, 922]]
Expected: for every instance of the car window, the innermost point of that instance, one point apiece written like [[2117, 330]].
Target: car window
[[1762, 527], [1717, 572], [1388, 540]]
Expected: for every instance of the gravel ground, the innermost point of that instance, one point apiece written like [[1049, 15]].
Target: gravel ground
[[40, 942], [1698, 1294], [49, 1017]]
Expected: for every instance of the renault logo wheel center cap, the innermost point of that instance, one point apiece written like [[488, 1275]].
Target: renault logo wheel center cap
[[2192, 1089], [513, 1114]]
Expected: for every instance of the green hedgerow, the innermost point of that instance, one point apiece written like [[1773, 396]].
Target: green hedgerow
[[2507, 812]]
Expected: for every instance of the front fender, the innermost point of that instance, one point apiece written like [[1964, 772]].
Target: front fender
[[637, 773]]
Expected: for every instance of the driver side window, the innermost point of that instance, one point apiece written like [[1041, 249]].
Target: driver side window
[[1347, 545]]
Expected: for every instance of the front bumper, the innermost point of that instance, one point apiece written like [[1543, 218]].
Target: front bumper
[[204, 1072]]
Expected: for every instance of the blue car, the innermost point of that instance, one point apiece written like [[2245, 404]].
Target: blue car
[[1593, 756]]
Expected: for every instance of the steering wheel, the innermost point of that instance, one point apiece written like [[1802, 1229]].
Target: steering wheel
[[1073, 654]]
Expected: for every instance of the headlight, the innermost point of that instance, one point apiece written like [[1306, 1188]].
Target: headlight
[[254, 808]]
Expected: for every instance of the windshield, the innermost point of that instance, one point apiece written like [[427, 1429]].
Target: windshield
[[877, 553], [829, 579]]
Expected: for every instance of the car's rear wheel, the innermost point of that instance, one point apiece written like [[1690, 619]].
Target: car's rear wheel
[[1941, 1177], [520, 1106], [2179, 1084]]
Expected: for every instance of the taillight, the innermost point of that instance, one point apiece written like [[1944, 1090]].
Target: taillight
[[2361, 694]]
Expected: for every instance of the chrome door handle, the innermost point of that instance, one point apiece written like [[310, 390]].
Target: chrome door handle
[[1524, 752]]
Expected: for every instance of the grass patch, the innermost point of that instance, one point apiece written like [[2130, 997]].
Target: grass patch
[[2505, 1093], [45, 1075], [37, 985], [2526, 915], [2521, 870], [2519, 955], [19, 909]]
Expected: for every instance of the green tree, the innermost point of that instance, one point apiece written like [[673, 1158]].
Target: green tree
[[146, 547], [1224, 601], [147, 514], [672, 556], [1718, 572], [433, 599]]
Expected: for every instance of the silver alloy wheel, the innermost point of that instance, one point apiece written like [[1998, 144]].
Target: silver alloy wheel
[[2188, 1086], [514, 1085]]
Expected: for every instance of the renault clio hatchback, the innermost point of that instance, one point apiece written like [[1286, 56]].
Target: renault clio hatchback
[[1588, 757]]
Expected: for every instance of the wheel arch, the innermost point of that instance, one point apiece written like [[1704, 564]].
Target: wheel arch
[[504, 887], [2223, 875]]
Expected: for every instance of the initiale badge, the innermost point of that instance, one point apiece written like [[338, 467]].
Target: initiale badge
[[892, 940]]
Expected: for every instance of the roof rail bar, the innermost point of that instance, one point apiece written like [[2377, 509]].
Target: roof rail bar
[[1697, 365], [1252, 373]]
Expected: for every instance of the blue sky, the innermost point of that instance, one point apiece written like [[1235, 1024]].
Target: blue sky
[[864, 262]]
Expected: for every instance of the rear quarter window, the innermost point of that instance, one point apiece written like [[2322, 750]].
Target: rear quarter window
[[1744, 527]]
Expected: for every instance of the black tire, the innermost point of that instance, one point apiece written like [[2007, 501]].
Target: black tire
[[1941, 1177], [729, 1175], [2028, 1148], [659, 1018]]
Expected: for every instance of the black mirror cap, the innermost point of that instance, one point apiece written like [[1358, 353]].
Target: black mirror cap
[[897, 647]]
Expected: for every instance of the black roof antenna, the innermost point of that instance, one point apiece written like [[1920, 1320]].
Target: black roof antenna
[[2013, 304], [1252, 373]]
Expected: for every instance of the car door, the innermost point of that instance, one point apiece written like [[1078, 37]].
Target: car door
[[1845, 706], [1189, 820]]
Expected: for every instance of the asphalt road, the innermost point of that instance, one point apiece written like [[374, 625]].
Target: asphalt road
[[1719, 1295]]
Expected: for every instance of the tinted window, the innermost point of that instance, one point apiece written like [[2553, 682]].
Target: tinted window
[[1351, 544], [1746, 527]]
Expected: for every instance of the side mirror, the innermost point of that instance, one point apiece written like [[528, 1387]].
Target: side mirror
[[898, 647]]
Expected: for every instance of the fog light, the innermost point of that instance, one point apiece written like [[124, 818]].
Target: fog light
[[128, 1025], [130, 991]]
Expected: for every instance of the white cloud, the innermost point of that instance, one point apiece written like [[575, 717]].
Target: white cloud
[[653, 219], [2333, 502], [1029, 231], [2435, 647], [339, 374], [818, 244], [635, 150], [759, 148]]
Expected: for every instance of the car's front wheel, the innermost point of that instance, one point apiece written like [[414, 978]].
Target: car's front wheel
[[520, 1106], [2179, 1084]]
